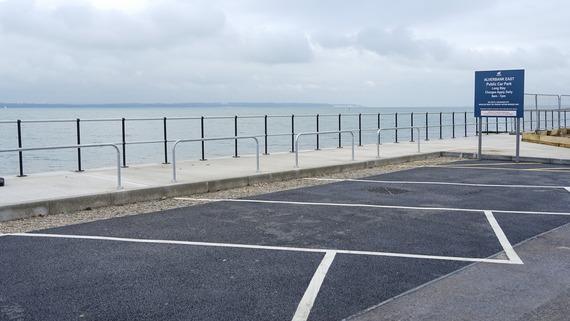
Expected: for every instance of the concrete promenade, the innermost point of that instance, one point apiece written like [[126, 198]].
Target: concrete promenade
[[56, 192]]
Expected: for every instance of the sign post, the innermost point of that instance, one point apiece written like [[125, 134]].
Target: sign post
[[499, 93]]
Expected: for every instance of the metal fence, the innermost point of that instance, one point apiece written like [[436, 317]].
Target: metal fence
[[148, 140]]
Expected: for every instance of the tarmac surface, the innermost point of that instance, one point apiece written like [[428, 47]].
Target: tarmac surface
[[461, 241]]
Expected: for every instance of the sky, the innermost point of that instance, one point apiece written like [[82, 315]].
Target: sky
[[378, 53]]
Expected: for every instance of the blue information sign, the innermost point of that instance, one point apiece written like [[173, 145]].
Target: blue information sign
[[499, 93]]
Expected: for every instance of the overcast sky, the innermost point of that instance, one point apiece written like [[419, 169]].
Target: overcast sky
[[369, 52]]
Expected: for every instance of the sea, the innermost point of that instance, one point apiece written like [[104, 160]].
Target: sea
[[143, 130]]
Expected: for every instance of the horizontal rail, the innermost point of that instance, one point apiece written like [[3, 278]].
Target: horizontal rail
[[319, 133], [212, 139], [119, 185], [378, 143]]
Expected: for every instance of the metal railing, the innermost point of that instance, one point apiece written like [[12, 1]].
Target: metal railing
[[119, 185], [378, 142], [212, 139], [296, 141], [275, 130]]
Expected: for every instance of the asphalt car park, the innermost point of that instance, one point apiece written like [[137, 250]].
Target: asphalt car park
[[326, 252]]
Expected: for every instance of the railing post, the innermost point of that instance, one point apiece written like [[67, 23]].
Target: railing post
[[359, 129], [379, 123], [477, 133], [396, 125], [465, 120], [165, 141], [412, 127], [236, 133], [440, 125], [318, 129], [20, 155], [292, 133], [202, 136], [427, 126], [559, 114], [124, 139], [265, 131], [339, 129], [453, 124], [78, 127], [537, 112]]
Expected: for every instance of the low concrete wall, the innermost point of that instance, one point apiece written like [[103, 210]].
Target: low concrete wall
[[121, 197]]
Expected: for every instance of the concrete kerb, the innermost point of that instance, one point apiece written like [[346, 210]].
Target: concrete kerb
[[122, 197]]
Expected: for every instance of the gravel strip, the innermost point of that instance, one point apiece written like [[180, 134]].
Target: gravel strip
[[63, 219]]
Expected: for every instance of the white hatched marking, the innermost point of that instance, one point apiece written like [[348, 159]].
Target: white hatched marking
[[306, 304]]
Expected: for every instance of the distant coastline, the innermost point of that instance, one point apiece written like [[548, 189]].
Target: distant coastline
[[179, 105]]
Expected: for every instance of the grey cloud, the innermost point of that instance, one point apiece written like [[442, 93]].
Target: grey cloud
[[276, 47], [82, 25]]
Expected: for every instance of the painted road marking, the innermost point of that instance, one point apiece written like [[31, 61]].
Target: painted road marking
[[511, 254], [567, 188], [560, 169], [370, 206], [306, 304], [266, 247], [438, 183]]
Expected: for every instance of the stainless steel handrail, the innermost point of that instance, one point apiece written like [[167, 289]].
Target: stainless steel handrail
[[119, 185], [378, 143], [212, 139], [319, 133]]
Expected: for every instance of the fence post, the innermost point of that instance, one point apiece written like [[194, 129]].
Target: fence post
[[318, 146], [202, 136], [453, 124], [440, 125], [412, 127], [165, 141], [78, 143], [292, 133], [465, 119], [427, 126], [477, 133], [236, 133], [265, 131], [396, 126], [379, 123], [359, 129], [124, 139], [20, 155], [339, 129]]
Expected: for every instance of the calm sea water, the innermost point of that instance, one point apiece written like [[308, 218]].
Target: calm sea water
[[58, 126]]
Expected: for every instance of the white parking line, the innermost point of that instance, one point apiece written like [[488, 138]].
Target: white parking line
[[511, 254], [440, 183], [371, 206], [306, 304], [266, 247]]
